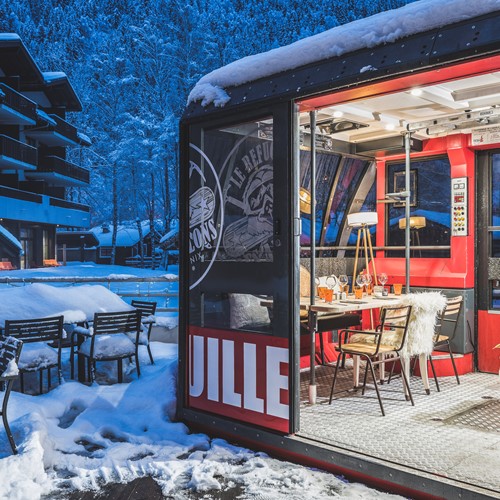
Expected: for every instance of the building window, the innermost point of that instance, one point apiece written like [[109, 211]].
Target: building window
[[105, 252], [430, 183]]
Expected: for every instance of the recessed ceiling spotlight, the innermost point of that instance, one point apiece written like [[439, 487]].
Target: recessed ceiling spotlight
[[416, 92], [338, 114], [390, 126]]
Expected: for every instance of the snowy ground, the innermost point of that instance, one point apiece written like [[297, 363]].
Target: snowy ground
[[78, 437]]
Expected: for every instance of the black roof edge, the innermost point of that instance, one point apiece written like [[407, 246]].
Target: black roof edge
[[76, 105], [18, 42], [459, 42]]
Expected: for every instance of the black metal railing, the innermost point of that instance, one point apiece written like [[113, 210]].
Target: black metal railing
[[18, 102], [63, 167], [17, 150], [20, 195], [64, 128], [57, 202]]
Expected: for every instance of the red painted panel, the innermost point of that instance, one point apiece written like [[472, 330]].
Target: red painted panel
[[445, 74], [444, 368], [239, 375], [488, 330]]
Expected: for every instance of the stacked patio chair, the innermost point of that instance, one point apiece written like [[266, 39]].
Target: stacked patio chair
[[108, 340], [148, 310], [37, 354], [10, 350]]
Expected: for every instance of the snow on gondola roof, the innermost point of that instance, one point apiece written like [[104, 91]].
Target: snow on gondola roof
[[385, 27]]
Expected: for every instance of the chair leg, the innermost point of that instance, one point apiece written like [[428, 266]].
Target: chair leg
[[137, 363], [22, 382], [406, 383], [369, 362], [72, 364], [4, 417], [49, 379], [150, 354], [365, 379], [334, 378], [434, 373], [453, 363], [120, 370], [41, 381]]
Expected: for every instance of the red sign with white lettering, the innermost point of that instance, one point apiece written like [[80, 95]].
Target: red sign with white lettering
[[239, 375]]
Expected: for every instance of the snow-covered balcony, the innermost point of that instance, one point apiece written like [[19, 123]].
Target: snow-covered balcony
[[24, 206], [16, 155], [54, 132], [60, 172], [15, 109]]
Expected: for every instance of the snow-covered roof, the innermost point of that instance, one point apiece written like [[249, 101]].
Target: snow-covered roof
[[84, 139], [127, 235], [9, 36], [171, 234], [51, 76], [44, 116], [11, 238], [385, 27]]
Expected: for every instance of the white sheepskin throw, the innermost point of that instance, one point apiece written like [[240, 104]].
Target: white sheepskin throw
[[425, 307]]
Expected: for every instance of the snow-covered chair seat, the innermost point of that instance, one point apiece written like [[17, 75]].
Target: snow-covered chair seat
[[109, 346], [108, 340], [37, 355]]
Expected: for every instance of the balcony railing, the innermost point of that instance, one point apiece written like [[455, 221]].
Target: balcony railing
[[13, 152], [17, 102], [17, 194], [57, 202], [63, 167], [66, 129]]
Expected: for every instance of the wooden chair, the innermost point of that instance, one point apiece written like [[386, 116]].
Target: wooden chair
[[37, 355], [10, 350], [447, 319], [325, 322], [107, 340], [394, 326], [148, 310]]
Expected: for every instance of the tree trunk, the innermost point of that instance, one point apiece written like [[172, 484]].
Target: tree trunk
[[152, 231], [115, 213]]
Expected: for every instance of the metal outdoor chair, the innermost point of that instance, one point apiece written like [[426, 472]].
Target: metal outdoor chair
[[10, 350], [148, 310], [37, 355], [447, 321], [107, 340], [388, 340]]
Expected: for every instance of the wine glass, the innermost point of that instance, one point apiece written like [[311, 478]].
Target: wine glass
[[382, 277], [343, 280], [332, 281], [316, 280], [361, 280]]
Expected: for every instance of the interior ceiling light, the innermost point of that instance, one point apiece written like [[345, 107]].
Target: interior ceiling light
[[334, 127], [416, 92], [338, 114], [467, 119], [476, 92]]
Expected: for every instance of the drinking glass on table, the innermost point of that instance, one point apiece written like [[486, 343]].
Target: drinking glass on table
[[382, 278], [368, 278], [343, 280]]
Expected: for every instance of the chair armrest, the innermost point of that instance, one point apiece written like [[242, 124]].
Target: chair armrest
[[346, 332]]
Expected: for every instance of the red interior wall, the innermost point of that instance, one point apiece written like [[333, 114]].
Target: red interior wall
[[458, 270]]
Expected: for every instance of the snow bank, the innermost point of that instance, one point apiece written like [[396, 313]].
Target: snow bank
[[385, 27], [76, 304], [80, 437]]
